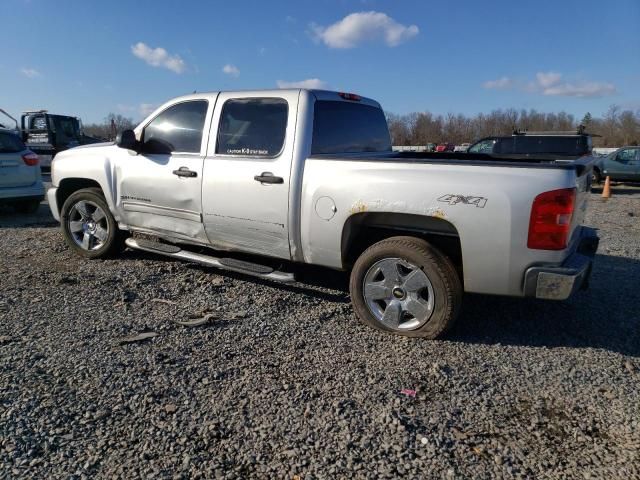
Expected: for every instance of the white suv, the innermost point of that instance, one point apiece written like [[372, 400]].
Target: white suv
[[20, 177]]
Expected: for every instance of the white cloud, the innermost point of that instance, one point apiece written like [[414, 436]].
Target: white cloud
[[158, 57], [146, 108], [361, 27], [30, 72], [553, 84], [231, 70], [502, 83], [548, 79], [550, 83], [311, 83]]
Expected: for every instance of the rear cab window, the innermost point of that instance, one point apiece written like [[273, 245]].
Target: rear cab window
[[348, 127]]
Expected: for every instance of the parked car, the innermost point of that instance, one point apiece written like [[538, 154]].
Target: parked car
[[445, 147], [463, 147], [20, 177], [621, 165], [431, 147], [554, 145], [309, 177]]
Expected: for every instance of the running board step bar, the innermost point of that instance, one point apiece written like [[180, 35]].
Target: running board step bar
[[231, 264]]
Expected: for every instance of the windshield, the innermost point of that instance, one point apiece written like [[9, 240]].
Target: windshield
[[10, 143]]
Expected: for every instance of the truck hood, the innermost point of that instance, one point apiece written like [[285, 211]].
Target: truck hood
[[93, 145]]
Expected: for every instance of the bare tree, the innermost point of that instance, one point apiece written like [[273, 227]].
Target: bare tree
[[110, 127]]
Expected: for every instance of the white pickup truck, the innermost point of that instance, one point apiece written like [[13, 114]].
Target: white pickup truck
[[309, 177]]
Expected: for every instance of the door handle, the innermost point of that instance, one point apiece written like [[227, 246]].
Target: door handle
[[268, 177], [185, 172]]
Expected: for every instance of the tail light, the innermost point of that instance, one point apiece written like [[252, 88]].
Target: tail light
[[550, 222], [30, 159], [350, 96]]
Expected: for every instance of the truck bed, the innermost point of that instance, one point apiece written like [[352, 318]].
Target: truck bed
[[479, 159]]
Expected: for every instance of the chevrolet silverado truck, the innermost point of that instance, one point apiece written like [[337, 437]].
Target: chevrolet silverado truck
[[308, 177]]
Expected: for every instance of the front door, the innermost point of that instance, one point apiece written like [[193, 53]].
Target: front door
[[245, 190], [159, 189]]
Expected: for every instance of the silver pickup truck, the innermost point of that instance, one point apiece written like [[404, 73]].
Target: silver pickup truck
[[309, 177]]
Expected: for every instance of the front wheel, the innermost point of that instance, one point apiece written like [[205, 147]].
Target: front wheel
[[405, 286], [596, 177], [88, 225]]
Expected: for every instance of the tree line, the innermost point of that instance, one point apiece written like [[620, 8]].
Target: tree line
[[617, 127]]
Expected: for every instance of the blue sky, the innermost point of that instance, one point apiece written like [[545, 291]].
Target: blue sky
[[89, 58]]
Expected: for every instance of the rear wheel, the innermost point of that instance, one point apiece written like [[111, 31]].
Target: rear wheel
[[405, 286], [88, 225]]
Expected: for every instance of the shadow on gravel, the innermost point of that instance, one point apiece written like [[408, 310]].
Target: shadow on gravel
[[605, 316], [312, 281], [10, 218]]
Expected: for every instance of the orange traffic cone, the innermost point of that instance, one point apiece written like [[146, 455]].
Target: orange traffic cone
[[606, 191]]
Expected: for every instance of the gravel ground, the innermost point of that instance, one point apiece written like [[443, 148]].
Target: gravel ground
[[287, 384]]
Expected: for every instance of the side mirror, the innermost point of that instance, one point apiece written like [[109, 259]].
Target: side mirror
[[127, 139]]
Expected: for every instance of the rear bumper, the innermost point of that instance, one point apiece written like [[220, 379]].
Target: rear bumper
[[560, 282], [17, 194], [53, 202]]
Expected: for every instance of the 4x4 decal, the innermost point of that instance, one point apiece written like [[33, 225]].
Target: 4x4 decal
[[451, 199]]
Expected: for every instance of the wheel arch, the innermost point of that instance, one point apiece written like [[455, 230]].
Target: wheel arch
[[67, 186], [362, 230]]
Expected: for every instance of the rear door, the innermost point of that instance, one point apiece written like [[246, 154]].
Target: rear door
[[245, 190], [160, 188], [13, 171]]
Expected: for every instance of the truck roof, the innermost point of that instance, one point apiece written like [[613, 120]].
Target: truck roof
[[318, 93]]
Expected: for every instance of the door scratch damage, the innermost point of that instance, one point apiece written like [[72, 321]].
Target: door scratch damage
[[281, 225]]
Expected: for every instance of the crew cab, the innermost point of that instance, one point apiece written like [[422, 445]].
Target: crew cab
[[309, 177]]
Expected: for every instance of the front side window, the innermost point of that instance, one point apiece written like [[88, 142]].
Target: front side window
[[625, 156], [252, 127], [177, 129], [483, 146]]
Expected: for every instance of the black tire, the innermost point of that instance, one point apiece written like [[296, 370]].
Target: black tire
[[443, 277], [27, 206], [596, 177], [113, 242]]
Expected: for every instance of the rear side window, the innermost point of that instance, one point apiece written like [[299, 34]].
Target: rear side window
[[176, 129], [10, 143], [253, 127], [346, 127]]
